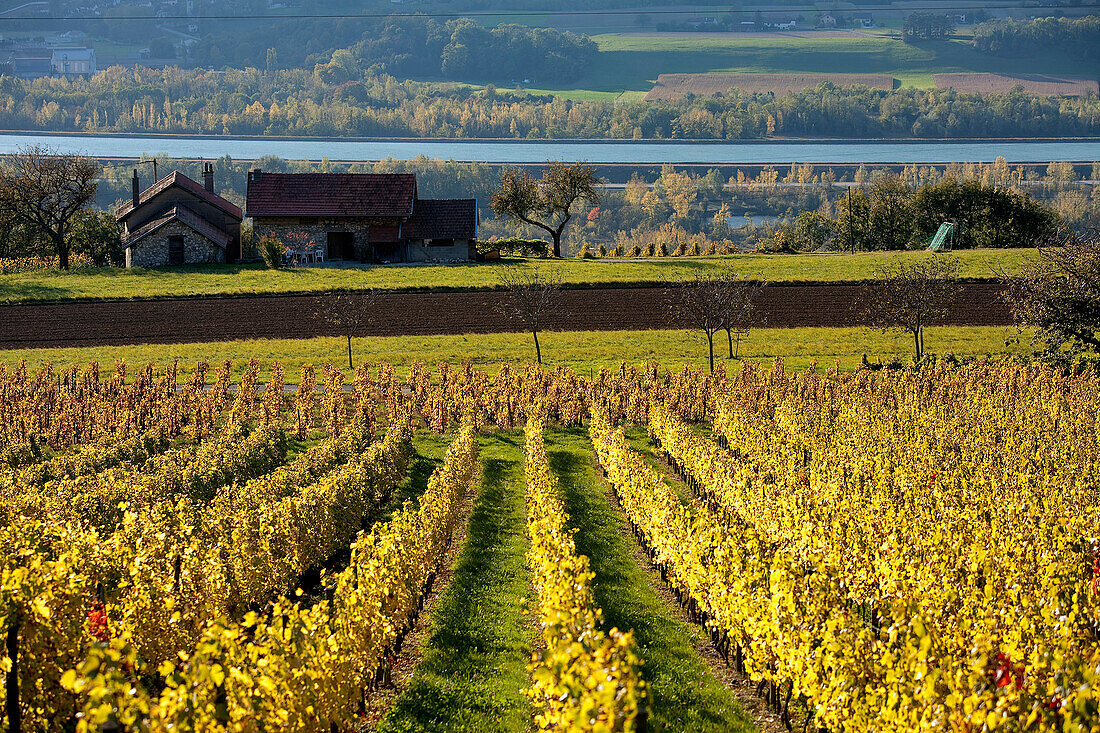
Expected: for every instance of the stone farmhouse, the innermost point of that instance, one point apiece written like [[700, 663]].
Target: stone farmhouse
[[362, 217], [176, 221]]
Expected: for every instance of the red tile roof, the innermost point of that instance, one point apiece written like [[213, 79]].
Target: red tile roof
[[175, 178], [185, 216], [442, 219], [331, 194]]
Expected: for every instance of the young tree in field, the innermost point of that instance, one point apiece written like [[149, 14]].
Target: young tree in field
[[1059, 294], [547, 203], [740, 306], [47, 192], [910, 297], [703, 304], [348, 312], [531, 295]]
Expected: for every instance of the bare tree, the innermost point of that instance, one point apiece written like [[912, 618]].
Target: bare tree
[[532, 294], [740, 309], [546, 204], [347, 311], [47, 192], [910, 297], [703, 304], [1058, 293]]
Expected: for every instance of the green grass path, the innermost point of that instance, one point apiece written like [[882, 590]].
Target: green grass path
[[685, 696], [584, 351], [475, 662]]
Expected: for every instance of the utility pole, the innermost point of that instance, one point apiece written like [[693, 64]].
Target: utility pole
[[851, 234]]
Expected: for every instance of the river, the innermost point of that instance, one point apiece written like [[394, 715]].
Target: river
[[538, 151]]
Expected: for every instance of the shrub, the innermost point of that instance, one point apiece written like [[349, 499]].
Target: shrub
[[514, 246], [271, 249]]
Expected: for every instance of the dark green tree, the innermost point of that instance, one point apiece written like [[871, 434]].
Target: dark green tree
[[98, 235]]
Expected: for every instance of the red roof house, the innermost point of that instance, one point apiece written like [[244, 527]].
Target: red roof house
[[361, 217]]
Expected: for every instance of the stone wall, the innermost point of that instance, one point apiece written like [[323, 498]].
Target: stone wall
[[419, 251], [152, 251], [317, 229], [160, 204]]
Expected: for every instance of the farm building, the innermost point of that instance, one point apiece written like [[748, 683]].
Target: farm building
[[361, 217], [177, 221]]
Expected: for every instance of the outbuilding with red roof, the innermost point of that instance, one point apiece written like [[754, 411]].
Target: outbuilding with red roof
[[361, 217]]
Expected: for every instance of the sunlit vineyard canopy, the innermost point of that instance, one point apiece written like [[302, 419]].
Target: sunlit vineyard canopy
[[883, 550]]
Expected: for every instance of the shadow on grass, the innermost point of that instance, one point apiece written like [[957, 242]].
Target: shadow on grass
[[14, 292], [684, 695], [474, 664], [428, 455]]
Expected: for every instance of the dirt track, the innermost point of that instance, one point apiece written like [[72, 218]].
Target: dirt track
[[181, 320]]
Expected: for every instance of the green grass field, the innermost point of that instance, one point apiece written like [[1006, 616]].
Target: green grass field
[[584, 351], [474, 662], [631, 62], [116, 283]]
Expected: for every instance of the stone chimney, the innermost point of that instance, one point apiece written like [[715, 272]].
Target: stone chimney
[[136, 186], [208, 176]]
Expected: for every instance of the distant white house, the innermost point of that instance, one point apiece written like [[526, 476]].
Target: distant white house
[[826, 20], [788, 26], [78, 61]]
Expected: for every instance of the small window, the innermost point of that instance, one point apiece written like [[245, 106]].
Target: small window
[[175, 250], [441, 242]]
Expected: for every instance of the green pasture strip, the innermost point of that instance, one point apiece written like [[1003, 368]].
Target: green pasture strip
[[586, 352], [684, 694], [633, 61], [197, 280], [475, 662]]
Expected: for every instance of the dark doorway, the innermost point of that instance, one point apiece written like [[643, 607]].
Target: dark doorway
[[341, 246], [387, 251], [175, 251]]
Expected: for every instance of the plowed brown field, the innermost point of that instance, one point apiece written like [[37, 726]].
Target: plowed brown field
[[675, 86], [182, 320], [1043, 85]]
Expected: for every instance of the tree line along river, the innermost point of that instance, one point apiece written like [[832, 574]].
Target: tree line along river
[[539, 151]]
